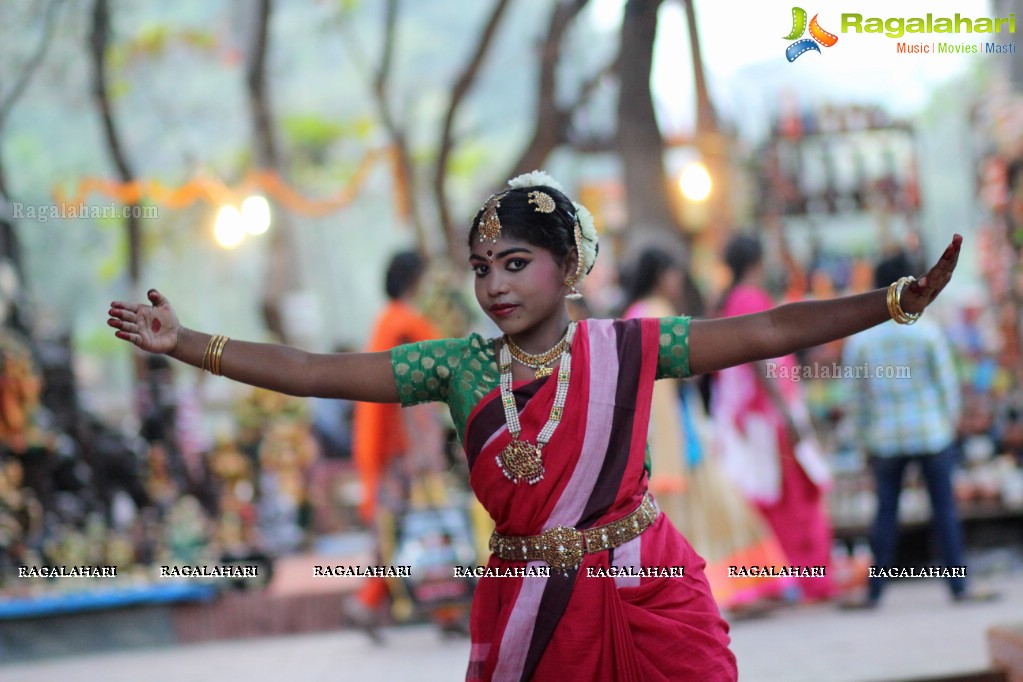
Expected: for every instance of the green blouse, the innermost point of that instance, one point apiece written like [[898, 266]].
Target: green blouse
[[461, 371]]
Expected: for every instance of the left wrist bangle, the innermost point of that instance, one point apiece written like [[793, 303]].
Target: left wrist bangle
[[895, 302]]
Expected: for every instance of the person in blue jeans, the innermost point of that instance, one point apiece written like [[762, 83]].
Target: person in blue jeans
[[906, 408]]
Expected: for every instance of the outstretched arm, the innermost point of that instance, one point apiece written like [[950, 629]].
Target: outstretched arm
[[353, 376], [717, 344]]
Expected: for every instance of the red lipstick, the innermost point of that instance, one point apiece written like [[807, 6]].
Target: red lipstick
[[503, 309]]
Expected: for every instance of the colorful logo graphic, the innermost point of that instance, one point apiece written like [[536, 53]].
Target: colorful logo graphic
[[817, 35]]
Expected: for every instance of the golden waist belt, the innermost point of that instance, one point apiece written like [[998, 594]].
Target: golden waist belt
[[563, 547]]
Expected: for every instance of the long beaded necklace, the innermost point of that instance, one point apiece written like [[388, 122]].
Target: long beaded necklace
[[538, 363], [521, 460]]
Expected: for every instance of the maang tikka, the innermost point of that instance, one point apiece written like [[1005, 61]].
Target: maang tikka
[[490, 222]]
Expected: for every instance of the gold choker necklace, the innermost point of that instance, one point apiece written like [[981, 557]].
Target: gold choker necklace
[[538, 362]]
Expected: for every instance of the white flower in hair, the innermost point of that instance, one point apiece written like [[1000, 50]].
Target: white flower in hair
[[589, 234], [537, 177]]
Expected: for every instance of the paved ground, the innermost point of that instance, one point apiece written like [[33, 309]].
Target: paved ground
[[916, 634]]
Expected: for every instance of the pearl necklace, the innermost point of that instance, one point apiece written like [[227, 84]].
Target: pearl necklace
[[538, 363], [521, 460]]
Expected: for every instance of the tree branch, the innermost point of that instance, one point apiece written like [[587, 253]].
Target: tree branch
[[255, 80], [405, 176], [552, 122], [458, 92], [99, 39], [25, 77]]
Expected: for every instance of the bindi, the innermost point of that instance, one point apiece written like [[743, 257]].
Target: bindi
[[490, 256]]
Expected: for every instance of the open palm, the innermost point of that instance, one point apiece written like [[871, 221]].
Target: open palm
[[152, 328], [921, 293]]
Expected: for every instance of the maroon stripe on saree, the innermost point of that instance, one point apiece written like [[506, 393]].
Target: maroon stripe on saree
[[629, 337], [556, 595]]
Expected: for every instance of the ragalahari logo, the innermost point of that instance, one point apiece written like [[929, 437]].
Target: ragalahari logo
[[817, 35]]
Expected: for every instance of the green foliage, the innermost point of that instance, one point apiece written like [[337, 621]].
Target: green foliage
[[349, 6], [154, 41], [98, 342], [113, 265], [311, 136], [469, 159], [310, 130]]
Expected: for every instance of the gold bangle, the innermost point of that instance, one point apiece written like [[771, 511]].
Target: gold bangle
[[217, 352], [205, 366], [211, 358], [895, 302], [889, 298]]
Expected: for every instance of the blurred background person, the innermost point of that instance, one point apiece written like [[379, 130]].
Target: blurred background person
[[910, 419], [686, 477], [332, 424], [760, 419], [653, 289], [382, 446]]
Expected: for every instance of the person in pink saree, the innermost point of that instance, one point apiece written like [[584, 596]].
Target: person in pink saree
[[595, 582], [760, 420]]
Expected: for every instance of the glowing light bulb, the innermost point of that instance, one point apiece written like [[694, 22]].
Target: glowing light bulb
[[695, 182], [256, 214], [229, 229]]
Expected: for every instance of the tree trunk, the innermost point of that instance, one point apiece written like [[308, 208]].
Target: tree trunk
[[282, 264], [639, 139], [712, 145], [99, 38]]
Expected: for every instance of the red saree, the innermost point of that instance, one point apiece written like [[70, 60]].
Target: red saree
[[582, 626]]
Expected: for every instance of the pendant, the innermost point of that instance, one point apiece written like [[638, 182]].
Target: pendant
[[521, 460], [542, 372]]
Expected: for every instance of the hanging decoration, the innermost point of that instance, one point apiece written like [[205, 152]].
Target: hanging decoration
[[210, 189]]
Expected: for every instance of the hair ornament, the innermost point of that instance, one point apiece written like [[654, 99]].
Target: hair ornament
[[542, 201]]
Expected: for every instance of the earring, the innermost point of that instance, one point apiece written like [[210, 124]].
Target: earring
[[573, 293]]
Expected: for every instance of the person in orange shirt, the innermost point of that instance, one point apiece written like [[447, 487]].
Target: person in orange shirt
[[380, 432]]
